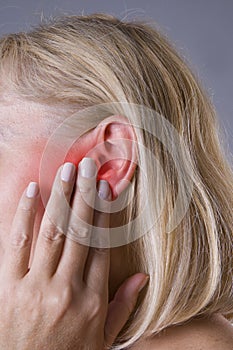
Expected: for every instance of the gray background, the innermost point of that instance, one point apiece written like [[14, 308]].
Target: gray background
[[201, 30]]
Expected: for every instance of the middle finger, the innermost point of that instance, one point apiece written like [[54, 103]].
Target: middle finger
[[79, 229]]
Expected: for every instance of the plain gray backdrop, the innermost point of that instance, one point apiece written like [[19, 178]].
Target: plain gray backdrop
[[201, 30]]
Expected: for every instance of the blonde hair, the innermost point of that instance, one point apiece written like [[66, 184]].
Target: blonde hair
[[83, 61]]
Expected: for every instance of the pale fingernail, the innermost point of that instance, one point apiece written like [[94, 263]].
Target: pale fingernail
[[67, 172], [87, 167], [32, 190], [143, 283], [103, 189]]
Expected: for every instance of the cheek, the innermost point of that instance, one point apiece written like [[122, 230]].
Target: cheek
[[49, 165], [42, 166], [21, 167]]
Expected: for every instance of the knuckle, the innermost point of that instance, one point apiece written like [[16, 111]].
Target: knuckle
[[78, 230], [63, 299], [52, 233], [32, 301], [15, 299], [95, 306], [84, 186], [101, 251], [20, 239], [66, 296], [27, 210]]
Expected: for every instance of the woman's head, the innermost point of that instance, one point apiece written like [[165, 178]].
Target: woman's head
[[78, 62]]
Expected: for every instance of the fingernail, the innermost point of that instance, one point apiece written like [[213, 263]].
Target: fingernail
[[143, 283], [67, 172], [87, 167], [32, 190], [103, 189]]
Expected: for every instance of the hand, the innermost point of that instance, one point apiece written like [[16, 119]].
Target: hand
[[61, 301]]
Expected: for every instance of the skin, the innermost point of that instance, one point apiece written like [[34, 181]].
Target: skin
[[63, 297], [62, 286], [30, 126], [25, 131], [206, 333]]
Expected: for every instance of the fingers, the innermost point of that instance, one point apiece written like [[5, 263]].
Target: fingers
[[19, 246], [122, 305], [76, 246], [54, 223], [97, 267]]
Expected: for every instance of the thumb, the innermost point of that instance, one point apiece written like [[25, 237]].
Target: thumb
[[122, 305]]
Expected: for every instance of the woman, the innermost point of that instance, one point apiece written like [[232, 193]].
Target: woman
[[116, 78]]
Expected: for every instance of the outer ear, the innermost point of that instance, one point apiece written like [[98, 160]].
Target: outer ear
[[115, 152], [112, 144]]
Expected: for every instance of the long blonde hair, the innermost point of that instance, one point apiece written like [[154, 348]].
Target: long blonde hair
[[83, 61]]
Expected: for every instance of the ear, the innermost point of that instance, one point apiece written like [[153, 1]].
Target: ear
[[112, 144]]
